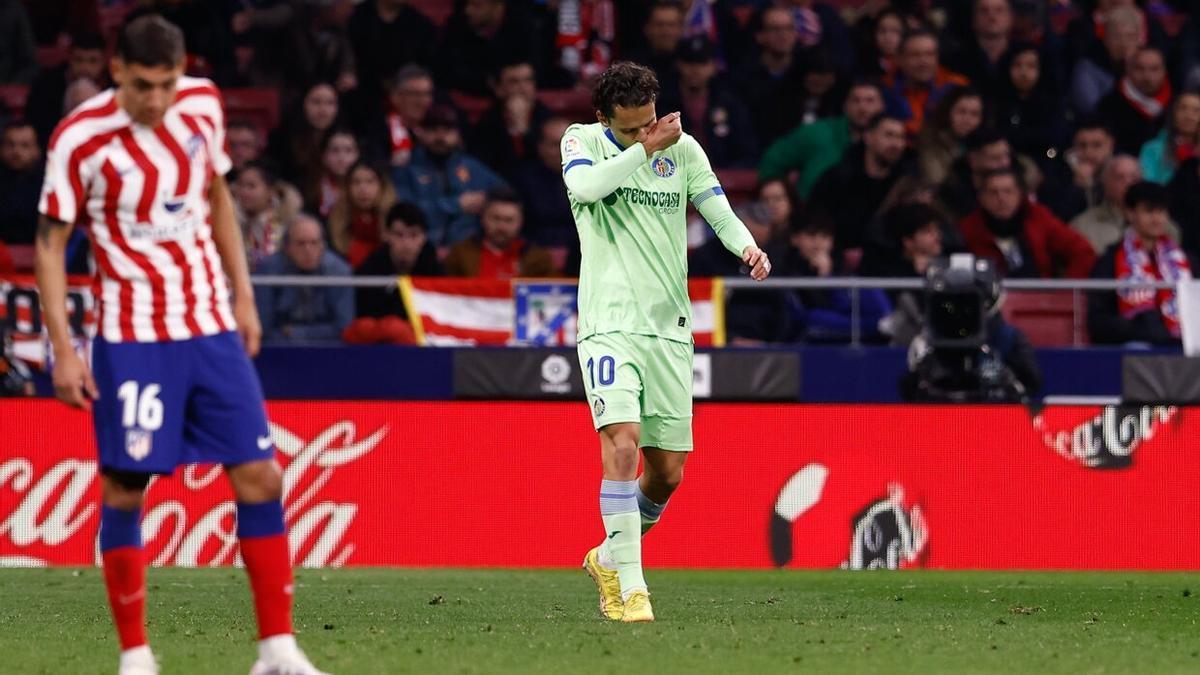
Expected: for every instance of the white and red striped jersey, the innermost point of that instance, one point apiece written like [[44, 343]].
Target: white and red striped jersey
[[143, 195]]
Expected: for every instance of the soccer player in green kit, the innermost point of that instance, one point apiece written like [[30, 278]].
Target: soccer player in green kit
[[629, 177]]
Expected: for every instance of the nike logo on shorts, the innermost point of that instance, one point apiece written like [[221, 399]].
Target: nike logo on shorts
[[264, 443]]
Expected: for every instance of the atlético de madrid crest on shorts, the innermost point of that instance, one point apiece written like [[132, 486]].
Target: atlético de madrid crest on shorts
[[663, 167]]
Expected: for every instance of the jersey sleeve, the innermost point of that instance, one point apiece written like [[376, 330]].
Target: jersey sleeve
[[588, 180], [63, 187], [574, 149], [707, 195], [702, 183]]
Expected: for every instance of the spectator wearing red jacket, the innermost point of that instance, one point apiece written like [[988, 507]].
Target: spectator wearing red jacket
[[1020, 237]]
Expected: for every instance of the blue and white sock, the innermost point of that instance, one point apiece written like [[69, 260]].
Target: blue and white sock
[[622, 546]]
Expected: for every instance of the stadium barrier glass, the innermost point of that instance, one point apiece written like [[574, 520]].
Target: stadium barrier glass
[[514, 484]]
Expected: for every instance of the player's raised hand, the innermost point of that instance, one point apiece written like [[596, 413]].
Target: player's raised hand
[[73, 382], [756, 259], [245, 313], [665, 132]]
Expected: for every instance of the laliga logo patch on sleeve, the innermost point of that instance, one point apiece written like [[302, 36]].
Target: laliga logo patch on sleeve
[[571, 147]]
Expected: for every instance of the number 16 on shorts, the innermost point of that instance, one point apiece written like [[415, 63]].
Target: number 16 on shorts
[[141, 416]]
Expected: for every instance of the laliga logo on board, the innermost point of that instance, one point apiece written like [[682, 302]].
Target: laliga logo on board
[[52, 510], [663, 167]]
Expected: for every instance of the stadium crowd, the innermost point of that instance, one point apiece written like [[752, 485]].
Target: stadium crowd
[[1057, 138]]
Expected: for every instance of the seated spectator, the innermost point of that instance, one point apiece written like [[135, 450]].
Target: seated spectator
[[479, 35], [410, 95], [447, 183], [812, 149], [819, 28], [1175, 144], [405, 251], [818, 94], [339, 152], [881, 48], [920, 82], [1134, 108], [295, 146], [1076, 172], [548, 218], [850, 193], [981, 56], [304, 313], [1104, 224], [1020, 237], [357, 219], [782, 205], [21, 170], [386, 35], [1145, 253], [508, 131], [263, 206], [499, 252], [711, 112], [245, 142], [765, 81], [1096, 73], [663, 29], [324, 51], [1029, 106], [46, 103], [942, 140], [18, 58], [986, 151], [916, 230]]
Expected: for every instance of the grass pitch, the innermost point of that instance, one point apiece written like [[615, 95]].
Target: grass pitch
[[497, 622]]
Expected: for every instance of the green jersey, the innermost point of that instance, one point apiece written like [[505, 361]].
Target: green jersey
[[631, 213]]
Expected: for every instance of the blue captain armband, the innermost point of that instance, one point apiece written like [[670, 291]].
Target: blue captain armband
[[706, 195], [576, 162]]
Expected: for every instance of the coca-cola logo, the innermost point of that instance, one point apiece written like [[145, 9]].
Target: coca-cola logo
[[1108, 439], [52, 507]]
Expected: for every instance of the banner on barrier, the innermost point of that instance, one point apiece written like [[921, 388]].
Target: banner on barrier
[[21, 315], [515, 484]]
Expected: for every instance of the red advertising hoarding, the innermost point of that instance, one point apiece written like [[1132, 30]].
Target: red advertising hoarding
[[515, 485]]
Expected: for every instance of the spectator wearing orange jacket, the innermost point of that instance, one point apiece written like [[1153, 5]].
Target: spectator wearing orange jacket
[[920, 82]]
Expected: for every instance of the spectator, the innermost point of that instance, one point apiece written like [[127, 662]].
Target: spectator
[[478, 36], [21, 170], [325, 51], [1104, 224], [46, 103], [819, 27], [358, 217], [1096, 73], [245, 142], [266, 34], [782, 205], [296, 145], [406, 251], [77, 92], [1184, 189], [18, 60], [986, 151], [819, 94], [53, 20], [1134, 108], [1175, 144], [304, 313], [1144, 253], [410, 95], [263, 206], [752, 317], [710, 111], [447, 183], [942, 140], [1020, 237], [548, 219], [883, 44], [1028, 108], [920, 82], [339, 152], [764, 82], [1077, 171], [980, 58], [387, 34], [508, 132], [663, 31], [915, 232], [499, 252], [849, 194], [812, 149]]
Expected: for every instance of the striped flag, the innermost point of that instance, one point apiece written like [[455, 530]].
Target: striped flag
[[448, 311], [21, 316]]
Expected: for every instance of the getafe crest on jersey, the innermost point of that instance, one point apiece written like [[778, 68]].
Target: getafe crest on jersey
[[663, 167]]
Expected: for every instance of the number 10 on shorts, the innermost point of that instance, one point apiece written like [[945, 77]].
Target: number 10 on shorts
[[607, 368]]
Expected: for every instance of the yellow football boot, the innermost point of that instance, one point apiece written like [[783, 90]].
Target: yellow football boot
[[637, 607], [607, 583]]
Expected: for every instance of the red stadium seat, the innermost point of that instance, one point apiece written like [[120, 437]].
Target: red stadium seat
[[12, 98], [573, 104], [471, 106], [1048, 318], [22, 256], [259, 106], [438, 11], [739, 184], [50, 56]]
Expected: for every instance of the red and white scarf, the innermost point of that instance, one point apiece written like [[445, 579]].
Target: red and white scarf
[[1133, 262], [1149, 106]]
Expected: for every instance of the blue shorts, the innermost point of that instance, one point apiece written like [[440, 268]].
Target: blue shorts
[[163, 404]]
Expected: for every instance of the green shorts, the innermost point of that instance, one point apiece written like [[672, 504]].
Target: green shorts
[[643, 379]]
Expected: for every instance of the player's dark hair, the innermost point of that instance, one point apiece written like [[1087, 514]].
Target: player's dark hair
[[150, 40], [1147, 195], [624, 84], [502, 195], [408, 213]]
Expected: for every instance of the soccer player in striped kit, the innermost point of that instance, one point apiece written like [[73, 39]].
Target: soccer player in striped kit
[[142, 167]]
